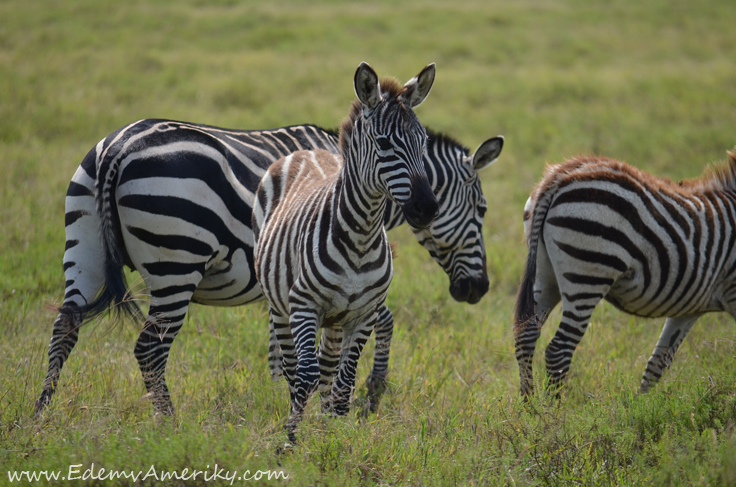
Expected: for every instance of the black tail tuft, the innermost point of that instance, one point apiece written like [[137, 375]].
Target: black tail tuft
[[115, 293]]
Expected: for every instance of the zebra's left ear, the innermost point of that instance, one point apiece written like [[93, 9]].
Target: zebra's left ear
[[417, 88], [367, 86], [487, 153]]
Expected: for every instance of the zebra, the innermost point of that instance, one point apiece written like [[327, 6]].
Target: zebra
[[178, 207], [454, 239], [323, 259], [600, 229]]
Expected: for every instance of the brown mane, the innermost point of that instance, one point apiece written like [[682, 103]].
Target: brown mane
[[390, 88], [719, 177], [716, 177]]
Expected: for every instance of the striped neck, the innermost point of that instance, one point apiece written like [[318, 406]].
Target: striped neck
[[360, 199]]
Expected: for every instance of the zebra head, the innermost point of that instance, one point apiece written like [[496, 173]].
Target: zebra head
[[394, 138], [455, 238]]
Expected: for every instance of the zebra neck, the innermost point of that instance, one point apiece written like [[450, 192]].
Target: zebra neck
[[359, 213]]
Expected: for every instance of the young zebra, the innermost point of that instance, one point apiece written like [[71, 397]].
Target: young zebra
[[600, 229], [322, 255], [176, 206]]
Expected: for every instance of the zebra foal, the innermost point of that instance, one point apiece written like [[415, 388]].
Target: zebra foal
[[322, 256], [600, 229]]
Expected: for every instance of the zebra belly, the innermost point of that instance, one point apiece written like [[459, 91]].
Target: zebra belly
[[229, 282]]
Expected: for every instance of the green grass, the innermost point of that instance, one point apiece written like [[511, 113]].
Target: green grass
[[651, 83]]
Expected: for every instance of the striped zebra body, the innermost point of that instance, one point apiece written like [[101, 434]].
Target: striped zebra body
[[322, 255], [600, 229], [178, 199]]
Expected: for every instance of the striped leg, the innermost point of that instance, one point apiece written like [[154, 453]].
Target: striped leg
[[673, 333], [304, 331], [166, 314], [546, 297], [275, 358], [376, 382], [329, 358], [576, 312], [83, 269], [352, 346]]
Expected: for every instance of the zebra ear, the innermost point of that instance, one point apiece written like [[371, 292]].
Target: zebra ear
[[487, 153], [417, 88], [367, 86]]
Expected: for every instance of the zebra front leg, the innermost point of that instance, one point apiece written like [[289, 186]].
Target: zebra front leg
[[304, 326], [673, 333], [65, 334], [376, 382], [352, 347], [152, 350], [329, 357]]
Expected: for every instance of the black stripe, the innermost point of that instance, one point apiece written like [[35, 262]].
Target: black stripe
[[72, 216], [76, 189], [173, 268], [590, 280], [593, 257], [172, 242]]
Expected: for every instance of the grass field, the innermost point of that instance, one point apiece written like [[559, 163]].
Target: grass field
[[652, 83]]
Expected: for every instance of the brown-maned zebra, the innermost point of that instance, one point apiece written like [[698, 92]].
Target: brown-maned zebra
[[600, 229], [322, 256]]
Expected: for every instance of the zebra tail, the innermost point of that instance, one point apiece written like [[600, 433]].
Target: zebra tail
[[524, 309], [115, 293]]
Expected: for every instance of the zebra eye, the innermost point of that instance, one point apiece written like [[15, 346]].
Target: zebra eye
[[383, 143], [482, 210]]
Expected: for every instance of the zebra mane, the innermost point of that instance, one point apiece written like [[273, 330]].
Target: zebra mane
[[717, 177], [390, 87], [447, 139]]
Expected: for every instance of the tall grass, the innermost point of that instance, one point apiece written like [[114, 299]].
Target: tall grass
[[652, 83]]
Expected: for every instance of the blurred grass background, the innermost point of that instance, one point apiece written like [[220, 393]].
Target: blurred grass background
[[651, 83]]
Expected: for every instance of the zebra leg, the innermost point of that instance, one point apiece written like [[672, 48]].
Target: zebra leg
[[673, 333], [342, 388], [275, 358], [576, 313], [304, 330], [65, 334], [165, 318], [84, 265], [546, 297], [376, 382], [329, 357]]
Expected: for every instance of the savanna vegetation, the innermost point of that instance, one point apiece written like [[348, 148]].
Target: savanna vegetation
[[651, 83]]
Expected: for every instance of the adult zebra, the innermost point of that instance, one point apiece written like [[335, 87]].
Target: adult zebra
[[322, 255], [600, 229], [175, 201]]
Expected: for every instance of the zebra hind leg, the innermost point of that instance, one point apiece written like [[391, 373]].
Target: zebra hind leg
[[673, 333], [65, 335], [376, 382], [576, 313], [152, 352]]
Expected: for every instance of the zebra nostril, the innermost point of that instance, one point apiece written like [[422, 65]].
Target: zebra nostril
[[418, 209]]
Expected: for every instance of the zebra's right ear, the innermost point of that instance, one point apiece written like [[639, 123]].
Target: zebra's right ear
[[487, 153], [367, 86]]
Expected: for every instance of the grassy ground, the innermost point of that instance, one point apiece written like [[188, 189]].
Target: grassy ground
[[652, 83]]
